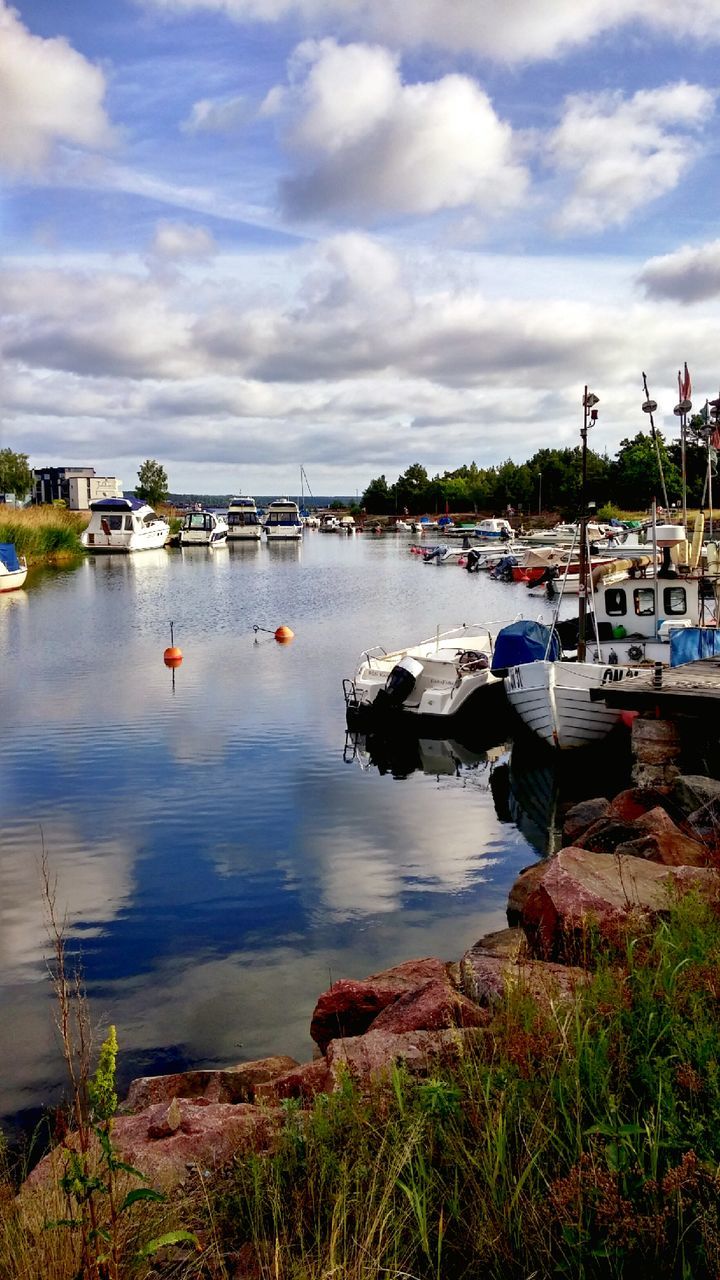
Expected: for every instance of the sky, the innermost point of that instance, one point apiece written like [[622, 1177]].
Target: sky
[[241, 236]]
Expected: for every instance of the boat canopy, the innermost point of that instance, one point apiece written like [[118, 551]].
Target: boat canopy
[[525, 641], [689, 644], [118, 504], [9, 556]]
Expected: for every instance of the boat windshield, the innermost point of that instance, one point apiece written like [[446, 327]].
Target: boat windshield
[[199, 520], [242, 518]]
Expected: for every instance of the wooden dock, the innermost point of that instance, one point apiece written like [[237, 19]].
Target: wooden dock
[[689, 690]]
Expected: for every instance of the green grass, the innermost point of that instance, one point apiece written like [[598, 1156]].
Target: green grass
[[572, 1138], [43, 533], [581, 1140]]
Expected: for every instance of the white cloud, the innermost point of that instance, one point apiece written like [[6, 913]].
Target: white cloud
[[354, 358], [691, 274], [181, 240], [220, 115], [49, 93], [368, 144], [623, 153], [519, 31]]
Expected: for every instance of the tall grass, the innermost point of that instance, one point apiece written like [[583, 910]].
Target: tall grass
[[578, 1139], [43, 533]]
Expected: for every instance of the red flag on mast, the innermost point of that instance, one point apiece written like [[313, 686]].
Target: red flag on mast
[[685, 384]]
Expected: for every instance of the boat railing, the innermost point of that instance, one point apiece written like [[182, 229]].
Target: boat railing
[[375, 651]]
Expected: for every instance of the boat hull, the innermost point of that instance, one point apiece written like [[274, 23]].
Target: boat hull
[[553, 700], [252, 534], [153, 542], [13, 579]]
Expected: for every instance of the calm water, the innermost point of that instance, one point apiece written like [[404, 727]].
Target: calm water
[[220, 853]]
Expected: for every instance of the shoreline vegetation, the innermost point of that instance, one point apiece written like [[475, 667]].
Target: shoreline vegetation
[[44, 535], [559, 1115]]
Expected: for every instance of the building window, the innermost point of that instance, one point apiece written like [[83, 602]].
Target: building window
[[615, 602], [644, 601], [674, 600]]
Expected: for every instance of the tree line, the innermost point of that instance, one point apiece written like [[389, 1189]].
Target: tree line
[[550, 481]]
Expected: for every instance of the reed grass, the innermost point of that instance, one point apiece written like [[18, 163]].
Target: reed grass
[[43, 533], [575, 1137]]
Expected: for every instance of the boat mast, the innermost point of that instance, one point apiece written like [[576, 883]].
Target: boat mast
[[589, 417]]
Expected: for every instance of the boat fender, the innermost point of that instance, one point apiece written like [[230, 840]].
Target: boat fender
[[401, 681]]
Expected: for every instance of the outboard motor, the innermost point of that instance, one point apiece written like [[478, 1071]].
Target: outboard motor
[[472, 562], [401, 681]]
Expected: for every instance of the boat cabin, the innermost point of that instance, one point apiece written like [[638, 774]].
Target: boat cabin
[[124, 524], [282, 519], [243, 519]]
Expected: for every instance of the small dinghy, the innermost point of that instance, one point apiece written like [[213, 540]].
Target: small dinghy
[[13, 568]]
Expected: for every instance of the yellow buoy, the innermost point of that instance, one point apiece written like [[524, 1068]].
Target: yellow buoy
[[283, 634]]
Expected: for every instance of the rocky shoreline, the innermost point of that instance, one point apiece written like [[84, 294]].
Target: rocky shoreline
[[623, 859]]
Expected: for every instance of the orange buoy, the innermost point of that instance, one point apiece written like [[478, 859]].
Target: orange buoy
[[283, 635], [172, 656]]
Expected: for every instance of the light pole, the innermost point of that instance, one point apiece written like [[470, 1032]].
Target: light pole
[[539, 493], [590, 414]]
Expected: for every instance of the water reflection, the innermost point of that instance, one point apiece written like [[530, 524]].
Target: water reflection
[[218, 861]]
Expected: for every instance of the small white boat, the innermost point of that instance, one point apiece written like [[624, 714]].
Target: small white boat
[[494, 529], [243, 521], [13, 568], [311, 522], [124, 525], [329, 524], [282, 520], [203, 529], [432, 681]]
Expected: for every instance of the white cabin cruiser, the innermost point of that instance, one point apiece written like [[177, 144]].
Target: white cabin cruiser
[[243, 521], [494, 529], [430, 682], [282, 520], [124, 524], [13, 568], [203, 529]]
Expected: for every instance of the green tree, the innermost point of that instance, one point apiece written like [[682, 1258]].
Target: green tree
[[153, 482], [635, 476], [377, 499], [413, 489], [16, 476]]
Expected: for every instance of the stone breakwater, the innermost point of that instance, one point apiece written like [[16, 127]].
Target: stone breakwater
[[623, 859]]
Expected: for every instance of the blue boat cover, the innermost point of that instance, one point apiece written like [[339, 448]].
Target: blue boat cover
[[9, 556], [524, 641], [689, 644]]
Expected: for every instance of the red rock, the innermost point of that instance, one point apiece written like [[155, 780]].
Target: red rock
[[349, 1007], [370, 1057], [524, 885], [605, 836], [580, 887], [583, 815], [304, 1081], [486, 978], [232, 1084], [208, 1138], [505, 942], [658, 822], [430, 1008], [671, 849], [629, 805], [655, 742]]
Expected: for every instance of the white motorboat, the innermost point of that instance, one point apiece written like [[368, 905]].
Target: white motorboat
[[329, 524], [203, 529], [13, 568], [124, 525], [243, 521], [282, 520], [433, 681], [496, 530]]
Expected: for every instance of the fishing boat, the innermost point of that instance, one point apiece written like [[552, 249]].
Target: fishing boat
[[435, 681], [203, 529], [124, 525], [495, 529], [282, 520], [550, 692], [243, 521], [13, 568]]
